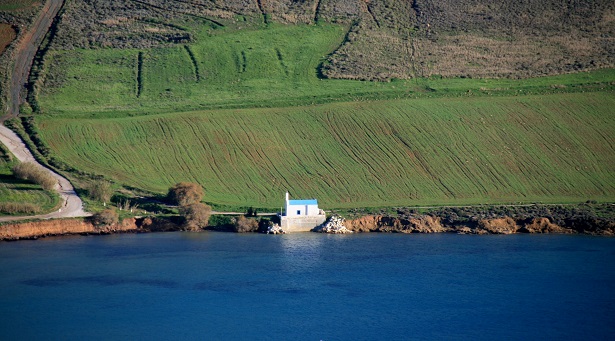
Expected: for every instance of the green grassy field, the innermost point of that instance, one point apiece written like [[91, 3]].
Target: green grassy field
[[549, 148], [244, 113], [20, 191], [226, 68]]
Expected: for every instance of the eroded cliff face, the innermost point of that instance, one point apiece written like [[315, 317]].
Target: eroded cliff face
[[54, 227], [432, 224], [58, 227], [420, 224]]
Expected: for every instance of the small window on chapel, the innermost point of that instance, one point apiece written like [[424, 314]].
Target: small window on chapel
[[298, 212]]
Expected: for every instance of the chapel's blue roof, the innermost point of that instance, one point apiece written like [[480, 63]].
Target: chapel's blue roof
[[303, 202]]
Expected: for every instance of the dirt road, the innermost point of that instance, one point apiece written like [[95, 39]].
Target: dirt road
[[26, 50], [71, 204]]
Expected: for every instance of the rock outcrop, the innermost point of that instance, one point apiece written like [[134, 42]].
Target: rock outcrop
[[543, 225], [368, 223], [275, 229], [335, 224], [418, 224], [500, 225], [505, 225]]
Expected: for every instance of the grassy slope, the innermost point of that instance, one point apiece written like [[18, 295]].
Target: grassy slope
[[462, 147], [551, 148], [241, 68], [20, 191]]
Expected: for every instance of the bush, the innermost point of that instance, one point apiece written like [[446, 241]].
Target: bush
[[196, 216], [100, 190], [244, 224], [5, 154], [33, 172], [107, 217], [252, 212], [25, 109], [185, 193], [222, 223]]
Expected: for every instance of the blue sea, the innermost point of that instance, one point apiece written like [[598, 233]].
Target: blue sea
[[223, 286]]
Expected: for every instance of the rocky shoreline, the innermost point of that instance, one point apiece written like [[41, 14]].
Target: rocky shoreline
[[587, 218], [431, 224], [591, 219]]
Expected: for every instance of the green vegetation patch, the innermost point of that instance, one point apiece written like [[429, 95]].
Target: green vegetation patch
[[550, 148], [236, 68], [244, 68], [11, 5], [269, 122], [17, 195]]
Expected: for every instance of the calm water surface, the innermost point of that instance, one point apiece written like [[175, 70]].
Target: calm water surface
[[222, 286]]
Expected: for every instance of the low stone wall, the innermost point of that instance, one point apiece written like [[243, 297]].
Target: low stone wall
[[54, 227], [301, 224]]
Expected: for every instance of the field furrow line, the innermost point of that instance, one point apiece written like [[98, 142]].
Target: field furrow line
[[316, 6], [139, 79], [371, 13], [259, 3], [195, 63], [281, 61]]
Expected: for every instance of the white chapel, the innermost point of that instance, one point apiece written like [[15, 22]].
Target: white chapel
[[301, 215]]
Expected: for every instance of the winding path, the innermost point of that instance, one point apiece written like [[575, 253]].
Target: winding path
[[71, 203], [71, 206]]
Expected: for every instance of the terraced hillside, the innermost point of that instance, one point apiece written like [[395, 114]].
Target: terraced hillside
[[385, 39], [552, 148], [276, 66], [359, 103]]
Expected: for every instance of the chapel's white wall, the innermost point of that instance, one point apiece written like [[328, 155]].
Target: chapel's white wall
[[311, 210]]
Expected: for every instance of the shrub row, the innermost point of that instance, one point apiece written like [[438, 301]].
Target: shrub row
[[32, 172], [5, 154], [18, 208], [30, 128]]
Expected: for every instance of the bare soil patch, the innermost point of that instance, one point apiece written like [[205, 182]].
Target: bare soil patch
[[473, 38], [7, 35]]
